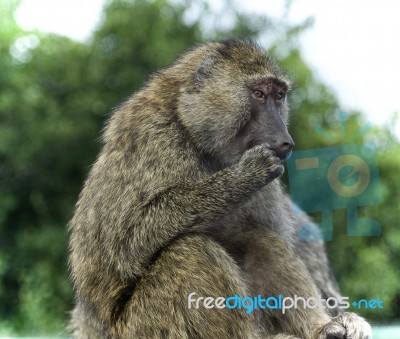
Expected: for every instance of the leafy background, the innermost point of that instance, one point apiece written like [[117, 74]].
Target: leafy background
[[55, 95]]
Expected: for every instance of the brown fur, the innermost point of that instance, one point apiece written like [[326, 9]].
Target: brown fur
[[184, 198]]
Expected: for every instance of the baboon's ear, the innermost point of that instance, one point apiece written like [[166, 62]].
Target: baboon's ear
[[205, 70]]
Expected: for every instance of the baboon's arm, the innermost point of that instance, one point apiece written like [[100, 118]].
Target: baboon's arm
[[183, 208]]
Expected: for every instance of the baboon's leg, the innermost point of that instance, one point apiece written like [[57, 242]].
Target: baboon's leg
[[309, 245], [159, 306], [273, 269]]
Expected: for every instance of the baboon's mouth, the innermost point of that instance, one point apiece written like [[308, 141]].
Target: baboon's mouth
[[283, 156]]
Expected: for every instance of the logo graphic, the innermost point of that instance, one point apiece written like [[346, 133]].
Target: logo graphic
[[322, 180]]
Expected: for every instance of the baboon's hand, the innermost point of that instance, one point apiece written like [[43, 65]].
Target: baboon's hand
[[262, 161], [346, 326]]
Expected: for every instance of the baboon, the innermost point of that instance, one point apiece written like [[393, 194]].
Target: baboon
[[185, 197]]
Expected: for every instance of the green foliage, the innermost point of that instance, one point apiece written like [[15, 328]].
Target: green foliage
[[55, 95]]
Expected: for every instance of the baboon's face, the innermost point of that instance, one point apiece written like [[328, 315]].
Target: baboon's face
[[268, 118], [238, 102]]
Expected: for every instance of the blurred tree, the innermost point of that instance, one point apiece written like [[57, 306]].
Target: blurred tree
[[40, 78], [54, 97]]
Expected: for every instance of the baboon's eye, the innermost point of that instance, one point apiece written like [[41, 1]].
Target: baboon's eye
[[259, 93], [279, 96]]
